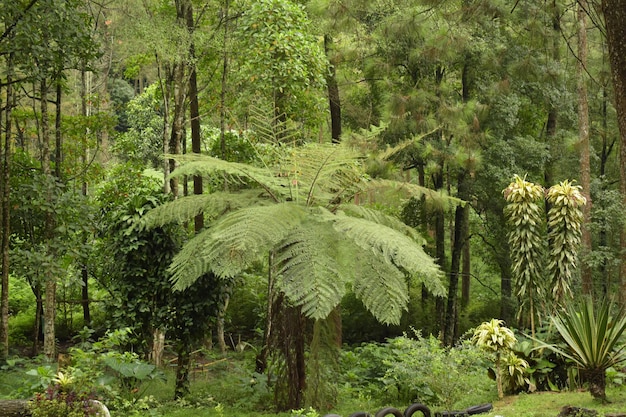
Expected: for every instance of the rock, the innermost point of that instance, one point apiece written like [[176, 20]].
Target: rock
[[570, 411]]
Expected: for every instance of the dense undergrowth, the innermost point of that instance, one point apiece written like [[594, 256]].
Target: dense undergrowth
[[371, 376]]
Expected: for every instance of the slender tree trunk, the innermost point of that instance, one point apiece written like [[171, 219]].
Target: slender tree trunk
[[224, 86], [176, 134], [50, 284], [455, 265], [58, 150], [261, 358], [583, 136], [466, 261], [333, 91], [6, 213], [614, 16], [85, 191], [182, 370]]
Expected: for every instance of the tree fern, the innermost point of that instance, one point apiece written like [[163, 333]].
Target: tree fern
[[319, 253], [392, 246], [212, 205], [234, 242], [308, 261]]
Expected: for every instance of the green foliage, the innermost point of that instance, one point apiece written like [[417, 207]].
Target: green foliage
[[141, 140], [565, 220], [593, 338], [525, 217], [319, 247], [283, 60], [405, 370], [494, 337]]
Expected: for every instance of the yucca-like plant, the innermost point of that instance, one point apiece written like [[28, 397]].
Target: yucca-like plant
[[492, 336], [593, 339], [525, 216], [302, 212], [564, 233]]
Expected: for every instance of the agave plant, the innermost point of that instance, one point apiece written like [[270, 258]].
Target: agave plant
[[592, 336]]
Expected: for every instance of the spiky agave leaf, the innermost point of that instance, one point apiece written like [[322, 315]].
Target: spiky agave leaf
[[308, 261], [212, 205], [593, 336], [234, 242]]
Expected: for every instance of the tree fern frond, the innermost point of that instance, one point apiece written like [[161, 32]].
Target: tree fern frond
[[437, 198], [234, 242], [212, 205], [311, 275], [270, 127], [394, 247], [324, 171], [195, 164], [381, 287], [379, 217]]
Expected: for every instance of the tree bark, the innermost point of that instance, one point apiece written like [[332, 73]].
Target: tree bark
[[85, 190], [614, 16], [6, 213], [455, 264], [14, 408], [49, 340], [583, 137], [333, 92]]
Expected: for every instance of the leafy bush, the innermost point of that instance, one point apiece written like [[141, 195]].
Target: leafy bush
[[407, 370]]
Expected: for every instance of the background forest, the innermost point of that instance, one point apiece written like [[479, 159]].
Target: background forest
[[283, 178]]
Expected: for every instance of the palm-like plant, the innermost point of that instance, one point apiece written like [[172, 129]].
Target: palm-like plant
[[300, 211], [494, 337], [593, 342]]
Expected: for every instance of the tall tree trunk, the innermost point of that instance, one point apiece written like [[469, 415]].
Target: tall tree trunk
[[614, 16], [553, 114], [333, 91], [50, 285], [176, 134], [182, 370], [583, 137], [85, 191], [450, 325], [58, 149], [224, 86], [6, 213]]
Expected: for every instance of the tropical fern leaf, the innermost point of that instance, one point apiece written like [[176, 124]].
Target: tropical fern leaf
[[384, 219], [195, 164], [234, 242], [437, 198], [393, 247], [212, 205], [307, 261], [323, 172], [380, 286], [271, 129]]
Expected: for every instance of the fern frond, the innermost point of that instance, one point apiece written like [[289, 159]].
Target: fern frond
[[393, 247], [406, 189], [234, 242], [392, 151], [380, 217], [212, 205], [271, 128], [324, 172], [195, 164], [381, 287], [311, 274]]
